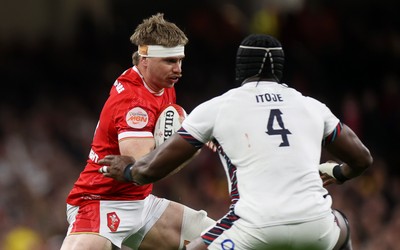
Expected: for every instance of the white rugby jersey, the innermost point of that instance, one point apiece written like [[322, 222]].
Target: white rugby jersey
[[270, 139]]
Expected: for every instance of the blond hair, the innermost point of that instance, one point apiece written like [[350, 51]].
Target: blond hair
[[135, 58], [157, 31]]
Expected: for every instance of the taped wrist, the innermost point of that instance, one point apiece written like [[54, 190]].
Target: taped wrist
[[128, 173], [337, 173]]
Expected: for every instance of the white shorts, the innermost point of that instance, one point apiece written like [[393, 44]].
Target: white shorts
[[122, 222], [231, 234]]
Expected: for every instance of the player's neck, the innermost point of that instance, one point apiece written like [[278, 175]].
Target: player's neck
[[152, 88], [258, 79]]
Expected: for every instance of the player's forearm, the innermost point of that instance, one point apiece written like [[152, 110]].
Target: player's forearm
[[169, 158], [341, 172], [142, 173], [355, 168], [349, 149]]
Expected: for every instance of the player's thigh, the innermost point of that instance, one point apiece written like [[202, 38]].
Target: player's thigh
[[165, 234], [86, 242], [317, 234]]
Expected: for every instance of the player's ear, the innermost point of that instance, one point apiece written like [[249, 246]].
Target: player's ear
[[143, 61]]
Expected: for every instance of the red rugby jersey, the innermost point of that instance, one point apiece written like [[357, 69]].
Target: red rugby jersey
[[130, 111]]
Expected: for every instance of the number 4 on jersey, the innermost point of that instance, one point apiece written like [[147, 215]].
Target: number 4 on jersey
[[277, 114]]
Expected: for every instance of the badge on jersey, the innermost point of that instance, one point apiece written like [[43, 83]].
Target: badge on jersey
[[137, 118], [113, 221]]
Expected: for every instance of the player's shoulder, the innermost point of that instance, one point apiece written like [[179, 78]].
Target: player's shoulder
[[313, 101], [303, 97], [130, 77], [126, 83]]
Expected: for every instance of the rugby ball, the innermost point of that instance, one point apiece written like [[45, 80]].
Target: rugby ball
[[168, 122]]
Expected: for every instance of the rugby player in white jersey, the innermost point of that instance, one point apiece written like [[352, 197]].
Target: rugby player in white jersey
[[269, 138]]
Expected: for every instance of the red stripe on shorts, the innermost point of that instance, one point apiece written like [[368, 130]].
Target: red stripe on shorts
[[88, 218]]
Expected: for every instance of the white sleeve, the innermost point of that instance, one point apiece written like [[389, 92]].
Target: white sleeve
[[331, 121], [319, 109], [200, 122]]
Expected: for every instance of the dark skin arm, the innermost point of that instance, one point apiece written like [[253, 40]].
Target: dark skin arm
[[355, 155], [168, 158]]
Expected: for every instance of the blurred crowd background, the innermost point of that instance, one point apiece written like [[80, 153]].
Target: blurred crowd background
[[59, 58]]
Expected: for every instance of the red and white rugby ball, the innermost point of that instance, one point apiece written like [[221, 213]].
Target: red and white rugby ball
[[168, 122]]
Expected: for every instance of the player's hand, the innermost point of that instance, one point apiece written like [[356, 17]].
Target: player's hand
[[328, 180], [114, 166], [326, 173]]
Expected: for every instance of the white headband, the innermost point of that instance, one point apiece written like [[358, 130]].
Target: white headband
[[266, 49], [161, 51]]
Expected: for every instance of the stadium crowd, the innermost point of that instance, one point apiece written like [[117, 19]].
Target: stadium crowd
[[346, 53]]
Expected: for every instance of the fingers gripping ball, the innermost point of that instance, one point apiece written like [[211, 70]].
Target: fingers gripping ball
[[169, 121]]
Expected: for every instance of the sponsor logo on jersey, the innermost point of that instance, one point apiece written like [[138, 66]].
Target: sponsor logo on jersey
[[119, 87], [93, 156], [137, 118], [228, 245]]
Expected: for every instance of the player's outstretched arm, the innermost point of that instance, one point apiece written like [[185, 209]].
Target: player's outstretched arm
[[352, 152], [166, 158]]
